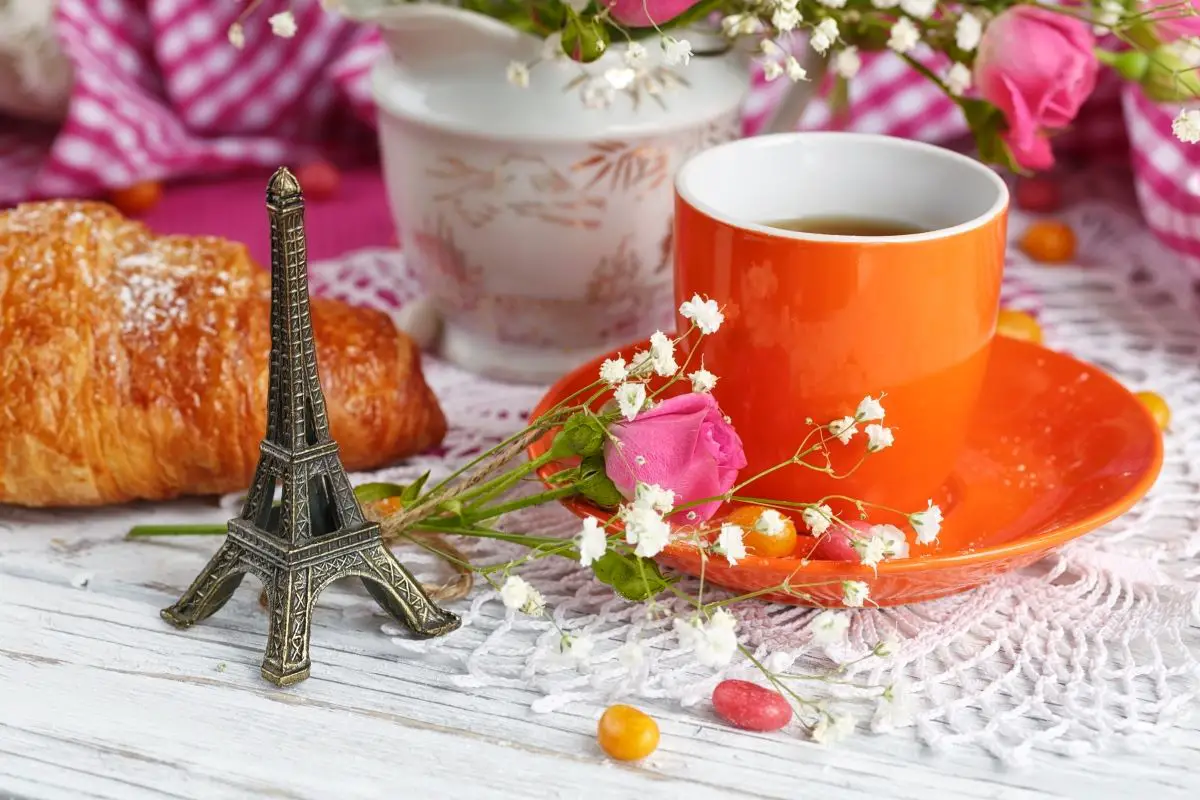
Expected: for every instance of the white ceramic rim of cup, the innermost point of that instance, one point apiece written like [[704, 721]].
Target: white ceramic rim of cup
[[687, 177]]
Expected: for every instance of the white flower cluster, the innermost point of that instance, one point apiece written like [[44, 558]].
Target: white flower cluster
[[869, 410], [713, 642], [626, 377], [645, 527]]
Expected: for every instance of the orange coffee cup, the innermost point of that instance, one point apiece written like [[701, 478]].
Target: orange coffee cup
[[816, 322]]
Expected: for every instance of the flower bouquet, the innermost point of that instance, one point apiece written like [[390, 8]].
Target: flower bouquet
[[1019, 71], [647, 449]]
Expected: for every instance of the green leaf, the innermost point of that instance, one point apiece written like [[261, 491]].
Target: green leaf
[[595, 485], [583, 434], [374, 492], [413, 490], [633, 578]]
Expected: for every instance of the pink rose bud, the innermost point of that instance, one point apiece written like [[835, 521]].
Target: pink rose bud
[[1037, 66], [683, 444], [646, 13]]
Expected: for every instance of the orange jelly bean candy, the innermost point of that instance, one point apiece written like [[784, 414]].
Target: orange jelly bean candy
[[1049, 241], [1018, 325], [1157, 407], [626, 733], [138, 198], [772, 537], [388, 506]]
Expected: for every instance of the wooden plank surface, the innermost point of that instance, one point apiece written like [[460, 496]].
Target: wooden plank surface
[[99, 698]]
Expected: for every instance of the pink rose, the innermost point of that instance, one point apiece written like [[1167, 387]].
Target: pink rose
[[1037, 66], [686, 446], [1171, 20], [645, 13]]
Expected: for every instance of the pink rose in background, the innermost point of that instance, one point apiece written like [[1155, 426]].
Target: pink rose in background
[[1037, 66], [645, 13], [687, 447], [1173, 19]]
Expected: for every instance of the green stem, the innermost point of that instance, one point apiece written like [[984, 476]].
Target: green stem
[[524, 502], [496, 486], [144, 531]]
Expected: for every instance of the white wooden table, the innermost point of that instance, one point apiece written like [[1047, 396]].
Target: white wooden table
[[99, 698]]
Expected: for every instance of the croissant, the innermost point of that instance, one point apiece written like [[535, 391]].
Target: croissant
[[134, 366]]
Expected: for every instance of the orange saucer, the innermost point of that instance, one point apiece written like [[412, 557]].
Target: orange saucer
[[1058, 448]]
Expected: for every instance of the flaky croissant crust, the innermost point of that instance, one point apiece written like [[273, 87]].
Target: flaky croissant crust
[[134, 366]]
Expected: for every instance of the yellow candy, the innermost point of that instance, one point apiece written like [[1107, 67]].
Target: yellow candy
[[626, 733], [762, 543], [1157, 407], [1018, 325]]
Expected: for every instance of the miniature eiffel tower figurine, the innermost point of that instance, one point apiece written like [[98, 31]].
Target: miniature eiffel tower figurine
[[318, 533]]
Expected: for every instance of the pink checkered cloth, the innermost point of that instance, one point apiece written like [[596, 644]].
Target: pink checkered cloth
[[161, 94]]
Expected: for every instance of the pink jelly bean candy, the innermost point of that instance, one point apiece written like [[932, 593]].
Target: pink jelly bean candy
[[836, 544], [750, 707]]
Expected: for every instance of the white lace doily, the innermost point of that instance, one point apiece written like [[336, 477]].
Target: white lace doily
[[1093, 647]]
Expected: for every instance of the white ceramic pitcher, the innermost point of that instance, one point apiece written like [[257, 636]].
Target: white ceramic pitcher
[[538, 219]]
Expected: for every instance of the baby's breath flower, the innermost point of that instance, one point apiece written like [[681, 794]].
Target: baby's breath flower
[[779, 662], [869, 410], [967, 32], [676, 52], [635, 54], [833, 728], [904, 36], [844, 429], [871, 550], [772, 70], [817, 518], [518, 595], [662, 354], [884, 5], [847, 62], [641, 363], [730, 543], [630, 399], [741, 25], [833, 3], [237, 35], [824, 35], [705, 313], [576, 648], [785, 20], [895, 709], [855, 593], [770, 522], [517, 74], [613, 371], [768, 48], [795, 72], [878, 437], [1109, 15], [714, 642], [958, 79], [593, 542], [829, 627], [283, 24], [1186, 126], [645, 528], [921, 9], [895, 545], [927, 523], [651, 495], [703, 381]]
